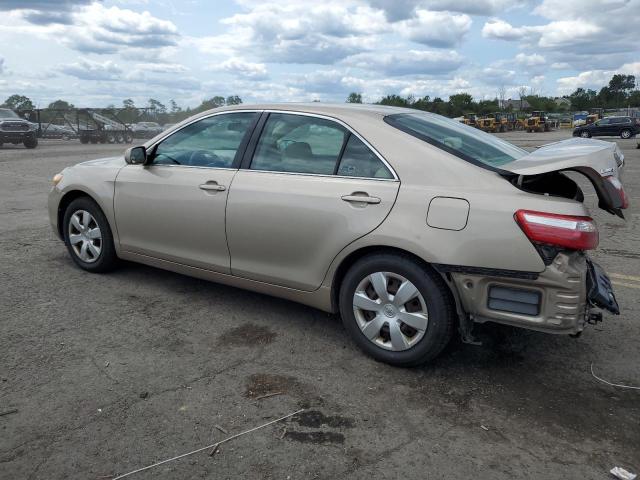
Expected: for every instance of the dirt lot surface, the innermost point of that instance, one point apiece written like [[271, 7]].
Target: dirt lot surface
[[110, 373]]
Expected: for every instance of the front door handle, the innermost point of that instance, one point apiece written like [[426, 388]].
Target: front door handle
[[212, 186], [360, 197]]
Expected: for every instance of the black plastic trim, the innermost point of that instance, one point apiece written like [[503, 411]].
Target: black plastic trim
[[487, 272]]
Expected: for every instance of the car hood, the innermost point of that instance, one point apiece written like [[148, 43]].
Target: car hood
[[600, 161], [104, 162]]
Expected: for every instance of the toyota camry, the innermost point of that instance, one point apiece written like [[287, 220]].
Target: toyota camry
[[409, 225]]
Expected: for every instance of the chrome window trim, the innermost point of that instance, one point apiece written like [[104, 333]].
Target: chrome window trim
[[291, 112], [345, 177]]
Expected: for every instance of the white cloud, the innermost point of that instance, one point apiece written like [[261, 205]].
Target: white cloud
[[87, 69], [241, 68], [402, 9], [530, 60], [500, 30], [411, 62], [1, 65], [436, 29], [595, 79]]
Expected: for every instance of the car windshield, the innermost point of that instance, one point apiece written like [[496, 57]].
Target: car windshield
[[6, 113], [457, 138]]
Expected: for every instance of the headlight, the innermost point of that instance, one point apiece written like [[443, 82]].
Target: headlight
[[57, 178]]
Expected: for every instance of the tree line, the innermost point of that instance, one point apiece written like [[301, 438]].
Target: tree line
[[620, 92], [129, 112]]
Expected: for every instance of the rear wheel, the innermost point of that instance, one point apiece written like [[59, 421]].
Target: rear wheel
[[88, 236], [626, 133], [585, 134], [396, 310]]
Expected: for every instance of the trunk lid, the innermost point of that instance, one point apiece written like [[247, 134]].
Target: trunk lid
[[600, 161]]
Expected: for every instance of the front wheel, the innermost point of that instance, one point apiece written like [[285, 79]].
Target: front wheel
[[626, 133], [30, 142], [585, 134], [396, 310], [88, 236]]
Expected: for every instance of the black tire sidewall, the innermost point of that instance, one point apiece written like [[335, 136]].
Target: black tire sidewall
[[107, 259], [623, 132], [432, 288]]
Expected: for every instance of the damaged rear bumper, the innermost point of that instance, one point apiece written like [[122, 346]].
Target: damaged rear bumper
[[558, 300]]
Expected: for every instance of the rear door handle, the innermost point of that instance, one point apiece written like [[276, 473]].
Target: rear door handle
[[361, 198], [212, 186]]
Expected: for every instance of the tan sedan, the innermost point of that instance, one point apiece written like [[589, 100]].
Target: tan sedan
[[408, 224]]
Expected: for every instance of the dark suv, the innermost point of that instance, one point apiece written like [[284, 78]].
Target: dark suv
[[623, 127], [14, 129]]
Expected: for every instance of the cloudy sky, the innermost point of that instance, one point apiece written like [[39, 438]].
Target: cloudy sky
[[97, 53]]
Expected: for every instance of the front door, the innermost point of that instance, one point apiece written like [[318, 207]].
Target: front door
[[312, 188], [174, 207]]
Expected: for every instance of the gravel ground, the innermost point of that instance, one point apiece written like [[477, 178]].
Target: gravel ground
[[109, 373]]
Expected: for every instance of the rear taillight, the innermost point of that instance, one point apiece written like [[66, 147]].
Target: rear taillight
[[568, 231], [617, 184]]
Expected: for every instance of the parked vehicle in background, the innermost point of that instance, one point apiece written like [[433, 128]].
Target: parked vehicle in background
[[146, 129], [16, 130], [51, 130], [350, 209], [623, 127], [100, 128]]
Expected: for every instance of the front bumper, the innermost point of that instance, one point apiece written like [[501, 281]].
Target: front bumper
[[15, 137], [559, 300]]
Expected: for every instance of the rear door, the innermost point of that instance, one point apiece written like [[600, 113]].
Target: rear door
[[309, 188]]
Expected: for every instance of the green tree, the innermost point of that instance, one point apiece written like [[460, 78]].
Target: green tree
[[18, 102], [354, 98], [395, 101], [582, 99], [233, 100], [460, 103], [156, 106], [620, 86], [61, 105]]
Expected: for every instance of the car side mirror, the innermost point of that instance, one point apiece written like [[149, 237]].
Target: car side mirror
[[136, 156]]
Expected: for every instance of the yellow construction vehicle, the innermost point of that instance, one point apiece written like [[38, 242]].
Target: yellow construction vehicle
[[538, 122], [595, 114], [470, 119], [498, 122]]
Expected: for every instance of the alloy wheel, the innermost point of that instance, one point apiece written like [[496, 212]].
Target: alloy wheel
[[85, 236], [390, 311]]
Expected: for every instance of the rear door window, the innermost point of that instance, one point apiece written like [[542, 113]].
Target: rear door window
[[359, 161], [299, 144]]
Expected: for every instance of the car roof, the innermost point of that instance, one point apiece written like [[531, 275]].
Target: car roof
[[330, 109]]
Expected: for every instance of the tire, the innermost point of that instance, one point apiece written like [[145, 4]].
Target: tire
[[432, 297], [585, 134], [626, 133], [119, 138], [84, 140], [128, 138], [111, 138], [106, 258], [30, 142]]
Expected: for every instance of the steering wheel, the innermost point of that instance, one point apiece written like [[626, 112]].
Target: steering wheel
[[204, 158]]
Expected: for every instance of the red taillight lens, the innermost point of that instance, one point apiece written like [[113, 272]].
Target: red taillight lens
[[568, 231], [617, 184]]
